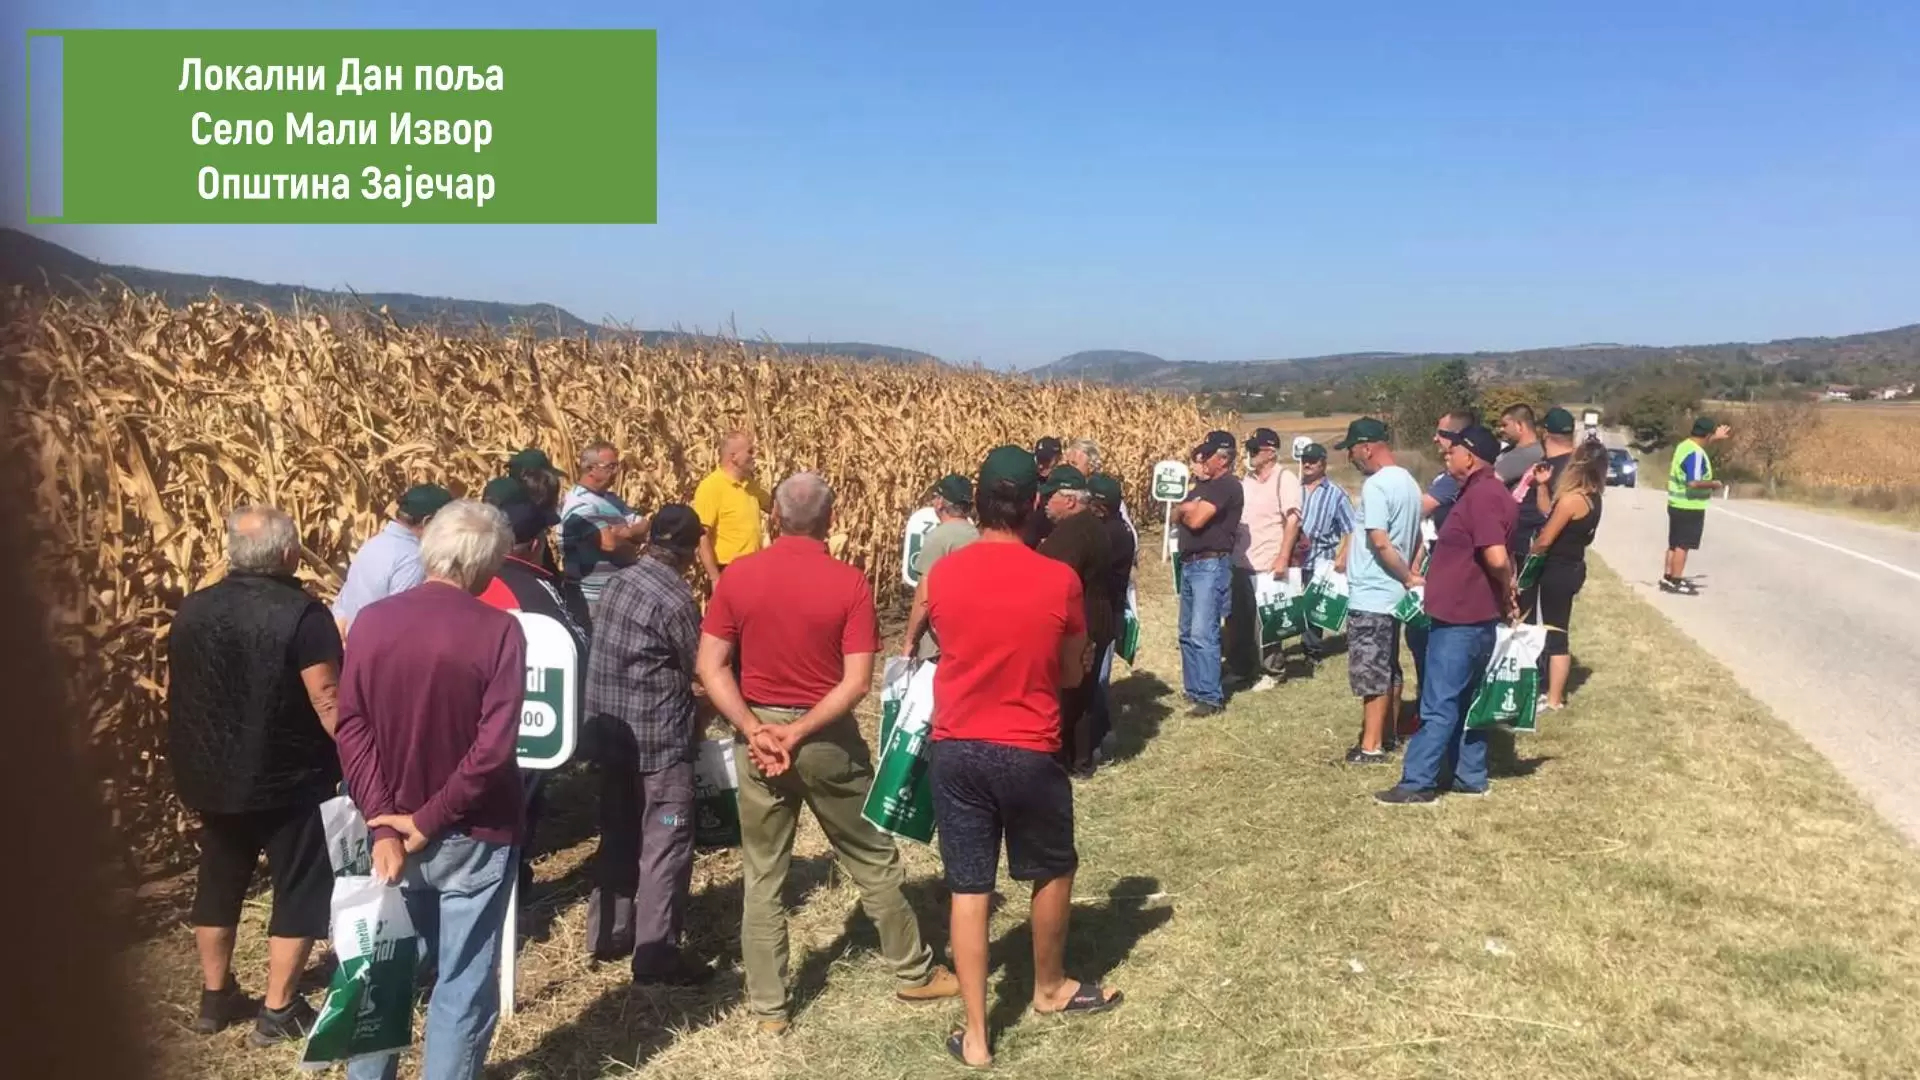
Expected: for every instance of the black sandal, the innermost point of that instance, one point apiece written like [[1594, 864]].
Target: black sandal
[[957, 1049], [1090, 999]]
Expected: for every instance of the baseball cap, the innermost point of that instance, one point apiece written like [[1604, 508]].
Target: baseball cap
[[1064, 478], [1478, 440], [1106, 489], [955, 488], [675, 525], [422, 500], [1261, 439], [1313, 451], [1558, 421], [1009, 465], [527, 520], [530, 458], [1364, 430], [1705, 425], [1215, 442], [1047, 450]]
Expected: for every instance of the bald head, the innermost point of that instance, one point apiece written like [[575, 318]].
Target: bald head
[[803, 505], [262, 540], [736, 453]]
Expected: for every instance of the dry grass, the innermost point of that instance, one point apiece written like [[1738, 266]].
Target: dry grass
[[147, 424], [1665, 882]]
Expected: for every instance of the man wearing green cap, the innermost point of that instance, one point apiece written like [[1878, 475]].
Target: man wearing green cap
[[1556, 442], [1379, 572], [1079, 539], [389, 562], [953, 503], [1690, 486]]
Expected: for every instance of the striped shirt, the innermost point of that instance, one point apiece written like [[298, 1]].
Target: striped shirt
[[1326, 517], [582, 515]]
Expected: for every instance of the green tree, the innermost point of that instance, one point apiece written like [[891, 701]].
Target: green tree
[[1656, 411]]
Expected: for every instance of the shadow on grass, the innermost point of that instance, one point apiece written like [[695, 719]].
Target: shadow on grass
[[628, 1025], [1098, 940], [1577, 676], [1139, 704], [1503, 756]]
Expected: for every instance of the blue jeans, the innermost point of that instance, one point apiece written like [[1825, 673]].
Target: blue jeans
[[1443, 752], [1206, 588], [456, 894]]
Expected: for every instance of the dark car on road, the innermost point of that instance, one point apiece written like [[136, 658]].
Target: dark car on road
[[1622, 470]]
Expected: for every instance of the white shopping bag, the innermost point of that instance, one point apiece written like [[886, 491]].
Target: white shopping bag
[[368, 1010], [348, 846]]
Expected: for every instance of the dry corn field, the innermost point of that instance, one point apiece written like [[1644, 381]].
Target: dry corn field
[[1858, 446], [147, 423]]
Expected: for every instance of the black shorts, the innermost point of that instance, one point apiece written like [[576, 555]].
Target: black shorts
[[1684, 528], [295, 844], [983, 791], [1560, 582], [1373, 653]]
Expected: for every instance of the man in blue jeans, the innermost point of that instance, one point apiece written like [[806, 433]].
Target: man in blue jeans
[[1469, 590], [1207, 520], [430, 698]]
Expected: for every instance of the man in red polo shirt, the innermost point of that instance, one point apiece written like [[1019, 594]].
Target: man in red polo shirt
[[804, 625], [1469, 590]]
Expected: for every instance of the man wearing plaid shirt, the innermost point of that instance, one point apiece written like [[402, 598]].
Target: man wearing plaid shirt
[[1326, 523], [645, 724]]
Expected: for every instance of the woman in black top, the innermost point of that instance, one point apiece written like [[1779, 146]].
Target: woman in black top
[[1573, 516]]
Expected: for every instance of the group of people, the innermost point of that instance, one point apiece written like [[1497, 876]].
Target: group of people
[[408, 697], [409, 691], [1536, 493]]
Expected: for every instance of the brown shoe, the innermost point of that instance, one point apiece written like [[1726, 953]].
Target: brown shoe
[[939, 986], [775, 1028]]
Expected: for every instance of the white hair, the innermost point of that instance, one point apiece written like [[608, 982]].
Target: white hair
[[465, 543], [804, 501], [261, 540], [1088, 447]]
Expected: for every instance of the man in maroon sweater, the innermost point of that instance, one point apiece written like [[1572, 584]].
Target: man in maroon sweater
[[430, 700]]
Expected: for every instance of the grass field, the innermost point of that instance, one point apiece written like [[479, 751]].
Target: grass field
[[1665, 882]]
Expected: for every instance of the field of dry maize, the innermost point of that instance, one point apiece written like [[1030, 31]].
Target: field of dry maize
[[145, 424]]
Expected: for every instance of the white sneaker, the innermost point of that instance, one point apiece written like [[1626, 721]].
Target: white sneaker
[[1265, 682]]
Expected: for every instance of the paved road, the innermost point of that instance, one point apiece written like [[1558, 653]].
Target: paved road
[[1841, 665]]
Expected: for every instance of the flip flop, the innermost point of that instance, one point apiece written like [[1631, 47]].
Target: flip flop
[[957, 1049], [1088, 1000]]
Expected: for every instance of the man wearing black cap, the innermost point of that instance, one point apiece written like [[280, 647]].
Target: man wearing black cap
[[647, 724], [389, 562], [1046, 454], [1556, 440], [1079, 539], [1208, 521], [1269, 525], [1469, 591], [953, 503], [526, 581], [1690, 486]]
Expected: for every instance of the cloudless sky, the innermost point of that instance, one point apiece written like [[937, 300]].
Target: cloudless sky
[[1009, 182]]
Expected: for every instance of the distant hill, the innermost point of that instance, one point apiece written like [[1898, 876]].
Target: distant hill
[[29, 260], [1877, 351]]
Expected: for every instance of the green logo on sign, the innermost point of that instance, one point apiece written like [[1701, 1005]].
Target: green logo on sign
[[540, 736]]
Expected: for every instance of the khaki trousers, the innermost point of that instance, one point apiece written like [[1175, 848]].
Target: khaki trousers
[[830, 775]]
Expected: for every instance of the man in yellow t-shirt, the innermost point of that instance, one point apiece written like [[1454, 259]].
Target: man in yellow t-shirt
[[729, 503]]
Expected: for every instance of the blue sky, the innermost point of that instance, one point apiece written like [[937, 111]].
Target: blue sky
[[1010, 182]]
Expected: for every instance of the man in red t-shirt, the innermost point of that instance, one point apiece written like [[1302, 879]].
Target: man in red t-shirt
[[1469, 591], [804, 626], [1013, 633]]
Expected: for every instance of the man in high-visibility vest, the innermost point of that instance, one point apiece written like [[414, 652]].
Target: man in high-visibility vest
[[1690, 485]]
